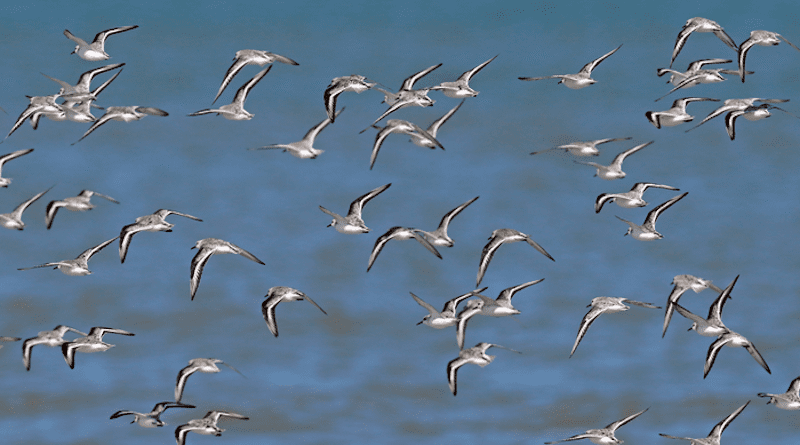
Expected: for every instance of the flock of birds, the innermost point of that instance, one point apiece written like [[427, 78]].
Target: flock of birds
[[78, 101]]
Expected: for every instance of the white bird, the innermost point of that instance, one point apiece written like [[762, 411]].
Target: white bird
[[352, 222], [460, 88], [124, 114], [761, 38], [603, 436], [420, 139], [682, 284], [473, 308], [789, 400], [80, 203], [601, 305], [629, 199], [82, 90], [716, 432], [207, 247], [447, 317], [95, 51], [733, 340], [303, 149], [675, 115], [38, 104], [250, 57], [408, 96], [498, 238], [581, 79], [205, 365], [587, 148], [90, 343], [207, 425], [502, 306], [475, 355], [147, 223], [751, 113], [734, 105], [439, 236], [711, 326], [399, 126], [647, 231], [235, 110], [13, 220], [72, 109], [339, 85], [677, 76], [699, 24], [400, 233], [153, 418], [48, 338], [279, 294], [80, 265], [614, 170], [4, 182]]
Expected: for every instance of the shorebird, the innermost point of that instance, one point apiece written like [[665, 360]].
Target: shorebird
[[90, 343], [447, 317], [601, 305], [614, 170], [13, 220], [77, 267], [789, 400], [400, 126], [407, 96], [498, 238], [603, 436], [38, 104], [716, 432], [629, 199], [81, 91], [95, 51], [235, 110], [250, 57], [124, 114], [473, 308], [502, 306], [675, 115], [352, 222], [339, 85], [475, 355], [207, 247], [205, 365], [422, 141], [400, 233], [751, 113], [75, 108], [147, 223], [699, 24], [4, 182], [303, 149], [207, 425], [677, 76], [581, 79], [439, 236], [682, 284], [48, 338], [80, 203], [647, 231], [153, 418], [711, 326], [736, 105], [460, 88], [762, 38], [277, 294], [732, 339], [588, 148]]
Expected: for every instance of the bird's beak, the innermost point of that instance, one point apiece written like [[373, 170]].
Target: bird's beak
[[329, 225], [192, 247], [689, 329], [420, 322]]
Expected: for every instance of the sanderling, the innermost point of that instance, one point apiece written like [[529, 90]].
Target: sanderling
[[276, 295], [677, 76], [47, 338], [734, 105], [38, 104], [447, 317], [439, 236], [502, 306], [147, 223], [82, 90], [711, 326], [614, 170], [420, 139], [206, 365], [408, 96], [352, 222], [682, 284], [475, 355], [207, 247], [400, 233], [399, 126], [153, 418], [751, 113], [77, 267], [587, 148], [732, 339], [600, 305], [762, 38], [339, 85], [13, 220], [699, 24], [629, 199], [789, 400], [647, 231], [250, 57], [90, 343], [603, 436], [207, 425], [80, 203], [581, 79], [460, 88], [498, 238], [675, 115], [473, 308], [303, 149], [4, 182], [124, 114], [235, 110], [96, 50], [716, 432]]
